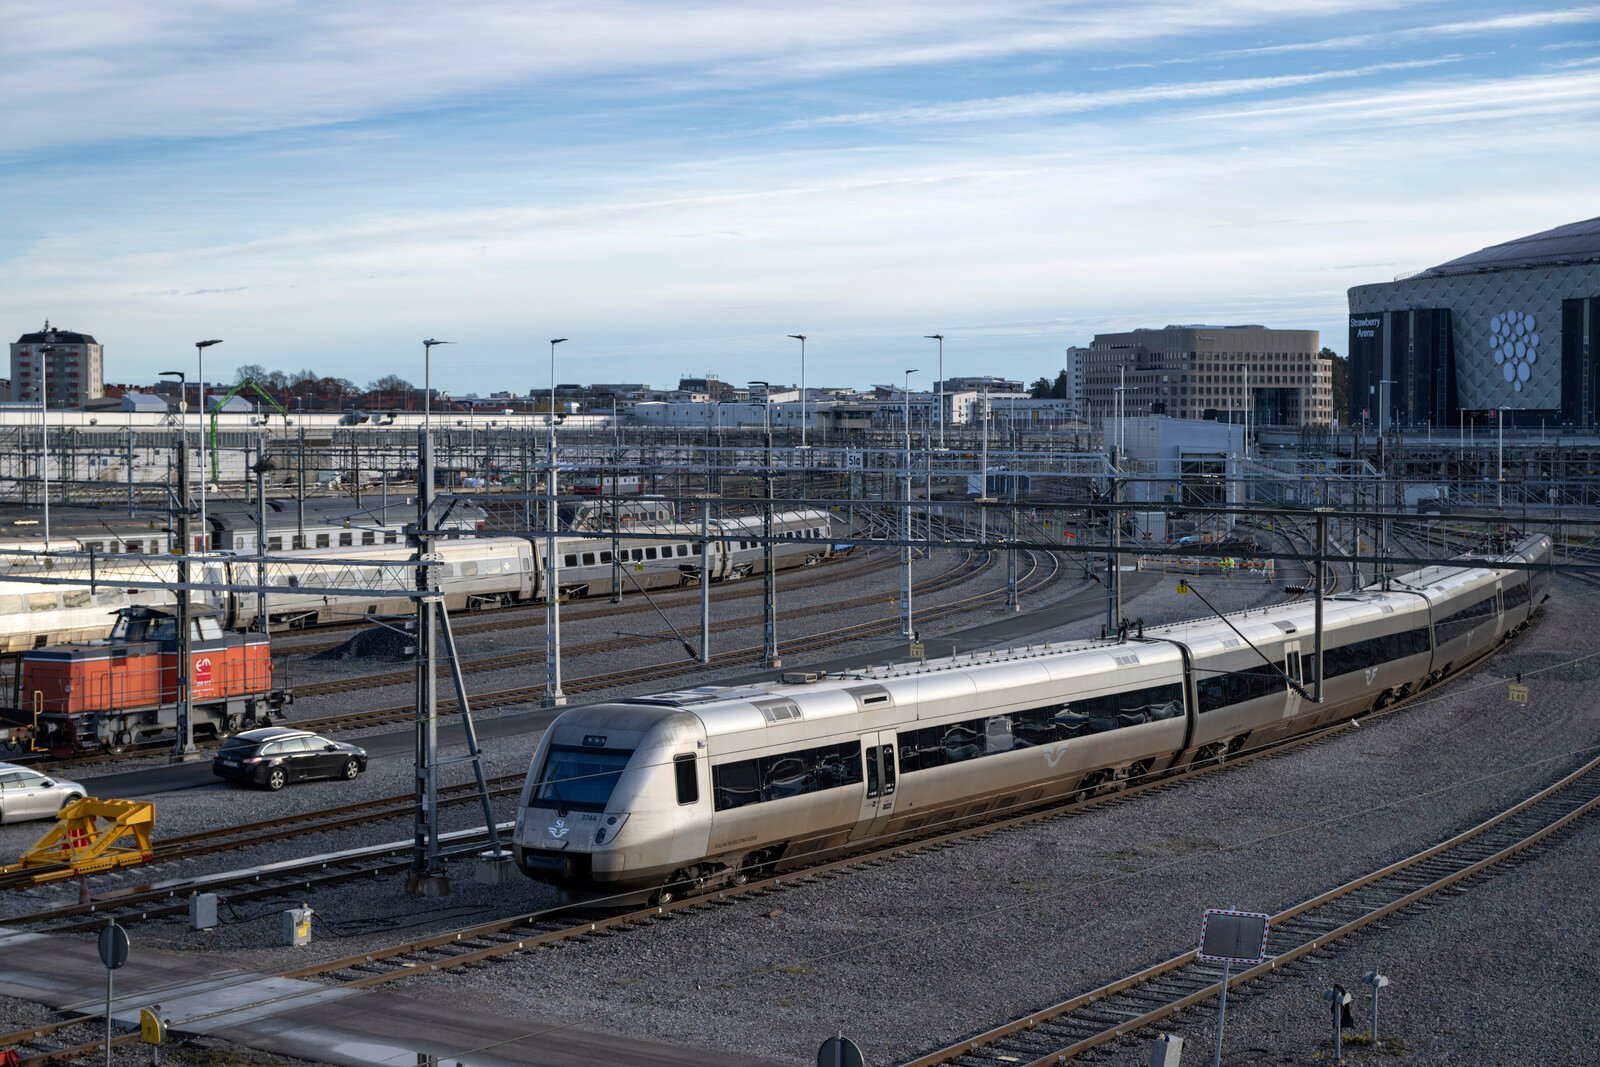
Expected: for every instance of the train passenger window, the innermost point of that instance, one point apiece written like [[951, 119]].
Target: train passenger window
[[638, 555], [10, 605], [390, 537], [736, 784], [468, 569], [103, 596], [588, 559], [369, 537], [683, 550], [605, 557], [95, 546], [322, 540], [41, 602], [299, 542], [569, 560], [787, 774], [650, 553], [274, 544], [687, 775], [346, 540], [75, 598]]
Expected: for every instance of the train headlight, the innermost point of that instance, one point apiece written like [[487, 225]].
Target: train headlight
[[600, 836]]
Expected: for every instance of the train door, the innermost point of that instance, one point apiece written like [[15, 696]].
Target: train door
[[882, 779], [1291, 667]]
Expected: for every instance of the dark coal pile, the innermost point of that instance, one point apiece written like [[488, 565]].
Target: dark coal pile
[[375, 642]]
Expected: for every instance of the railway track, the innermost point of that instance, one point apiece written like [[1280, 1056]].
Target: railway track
[[969, 567], [666, 671], [1133, 1003], [265, 831], [492, 620], [530, 931]]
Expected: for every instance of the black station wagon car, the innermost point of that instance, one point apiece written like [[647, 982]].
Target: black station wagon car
[[275, 756]]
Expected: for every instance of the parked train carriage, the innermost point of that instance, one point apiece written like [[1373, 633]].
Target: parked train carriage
[[33, 616], [683, 790], [472, 573], [658, 562]]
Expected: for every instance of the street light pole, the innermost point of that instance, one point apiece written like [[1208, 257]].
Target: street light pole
[[939, 389], [553, 696], [200, 356], [427, 381], [802, 339], [908, 631]]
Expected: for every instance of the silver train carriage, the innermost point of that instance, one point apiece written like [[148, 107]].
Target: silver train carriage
[[473, 573], [673, 793]]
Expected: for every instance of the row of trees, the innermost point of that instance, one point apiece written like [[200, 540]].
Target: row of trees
[[308, 383]]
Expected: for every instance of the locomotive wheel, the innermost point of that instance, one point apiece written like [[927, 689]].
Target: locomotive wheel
[[276, 778], [119, 743], [351, 769]]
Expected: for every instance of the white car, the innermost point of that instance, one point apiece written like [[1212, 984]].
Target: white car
[[28, 794]]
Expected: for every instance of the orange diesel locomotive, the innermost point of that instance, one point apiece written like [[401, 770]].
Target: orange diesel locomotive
[[122, 691]]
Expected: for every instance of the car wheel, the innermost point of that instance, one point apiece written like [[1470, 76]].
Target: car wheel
[[276, 778], [72, 798], [351, 769]]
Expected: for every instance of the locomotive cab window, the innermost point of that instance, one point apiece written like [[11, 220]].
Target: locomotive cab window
[[580, 779]]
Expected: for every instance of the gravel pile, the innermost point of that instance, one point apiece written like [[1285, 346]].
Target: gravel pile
[[372, 643]]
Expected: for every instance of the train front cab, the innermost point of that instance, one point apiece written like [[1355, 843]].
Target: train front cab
[[612, 805]]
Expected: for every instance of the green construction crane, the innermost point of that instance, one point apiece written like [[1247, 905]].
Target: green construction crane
[[229, 395]]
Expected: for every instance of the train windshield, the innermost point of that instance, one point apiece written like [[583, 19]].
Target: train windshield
[[578, 778]]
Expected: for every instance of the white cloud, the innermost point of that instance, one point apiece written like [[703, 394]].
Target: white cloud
[[124, 70], [1037, 105]]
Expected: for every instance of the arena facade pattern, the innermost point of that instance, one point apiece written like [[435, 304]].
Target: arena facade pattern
[[1513, 327]]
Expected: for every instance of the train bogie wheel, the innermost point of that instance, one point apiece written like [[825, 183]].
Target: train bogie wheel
[[119, 743], [663, 896]]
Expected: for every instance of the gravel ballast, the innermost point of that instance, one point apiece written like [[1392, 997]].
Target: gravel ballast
[[927, 949]]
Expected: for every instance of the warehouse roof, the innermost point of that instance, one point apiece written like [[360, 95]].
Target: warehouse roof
[[1576, 242]]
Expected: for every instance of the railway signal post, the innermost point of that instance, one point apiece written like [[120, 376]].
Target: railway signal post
[[427, 876]]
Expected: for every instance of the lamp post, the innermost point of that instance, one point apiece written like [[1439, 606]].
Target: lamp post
[[183, 744], [427, 387], [44, 434], [553, 696], [802, 339], [939, 389], [200, 357], [908, 631]]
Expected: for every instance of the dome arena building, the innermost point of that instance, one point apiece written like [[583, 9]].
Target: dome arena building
[[1514, 327]]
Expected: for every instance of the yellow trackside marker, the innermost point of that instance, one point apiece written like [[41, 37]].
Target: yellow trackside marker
[[1183, 588], [1517, 692]]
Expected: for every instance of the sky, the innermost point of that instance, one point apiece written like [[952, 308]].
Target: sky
[[676, 187]]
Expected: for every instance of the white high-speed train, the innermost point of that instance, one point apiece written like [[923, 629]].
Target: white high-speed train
[[473, 573], [682, 791]]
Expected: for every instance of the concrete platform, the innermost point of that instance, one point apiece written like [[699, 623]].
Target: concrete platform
[[203, 995]]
